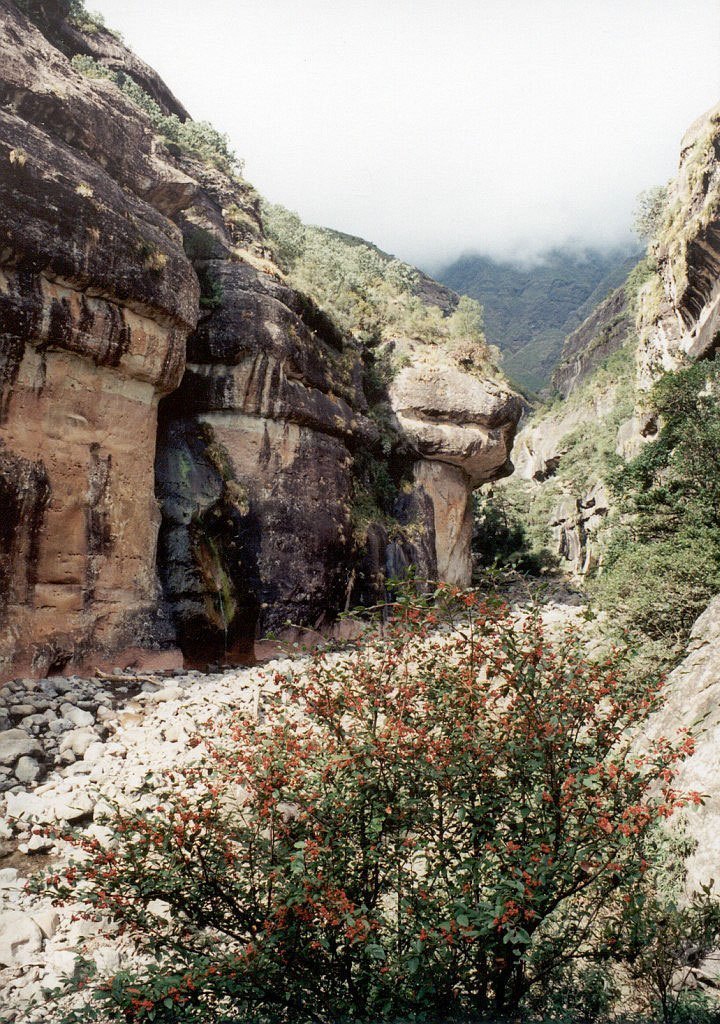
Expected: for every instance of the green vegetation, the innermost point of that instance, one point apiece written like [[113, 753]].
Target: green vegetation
[[312, 878], [211, 291], [529, 310], [663, 564], [81, 18], [650, 212], [368, 293], [513, 520], [661, 544], [197, 138], [638, 277]]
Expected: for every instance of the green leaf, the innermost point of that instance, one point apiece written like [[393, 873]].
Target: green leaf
[[375, 951]]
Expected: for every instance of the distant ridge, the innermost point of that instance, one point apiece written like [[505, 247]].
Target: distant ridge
[[529, 310]]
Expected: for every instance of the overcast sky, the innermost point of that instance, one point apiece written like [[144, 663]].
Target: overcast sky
[[432, 127]]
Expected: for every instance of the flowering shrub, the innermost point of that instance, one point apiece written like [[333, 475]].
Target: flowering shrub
[[431, 825]]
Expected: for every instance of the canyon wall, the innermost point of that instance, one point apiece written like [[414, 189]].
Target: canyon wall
[[664, 317], [680, 308], [181, 430], [93, 331]]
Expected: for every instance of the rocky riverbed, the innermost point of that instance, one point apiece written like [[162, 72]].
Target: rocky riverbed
[[67, 747]]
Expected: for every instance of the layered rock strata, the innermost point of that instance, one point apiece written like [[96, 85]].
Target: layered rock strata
[[605, 331], [681, 307], [93, 326]]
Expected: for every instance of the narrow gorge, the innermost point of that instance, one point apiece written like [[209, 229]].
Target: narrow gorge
[[342, 676]]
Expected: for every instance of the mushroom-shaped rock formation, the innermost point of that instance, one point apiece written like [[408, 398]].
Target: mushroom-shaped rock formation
[[269, 484], [462, 427]]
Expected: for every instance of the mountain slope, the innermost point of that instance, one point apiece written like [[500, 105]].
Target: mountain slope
[[530, 309]]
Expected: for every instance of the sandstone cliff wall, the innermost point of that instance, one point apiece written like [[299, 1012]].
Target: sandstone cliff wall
[[93, 332], [135, 276]]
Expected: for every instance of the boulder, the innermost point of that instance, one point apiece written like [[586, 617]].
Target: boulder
[[16, 743], [20, 938]]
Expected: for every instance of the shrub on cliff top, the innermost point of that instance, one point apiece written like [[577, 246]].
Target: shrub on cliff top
[[198, 138], [431, 827]]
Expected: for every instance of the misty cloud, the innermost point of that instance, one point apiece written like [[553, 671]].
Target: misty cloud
[[434, 127]]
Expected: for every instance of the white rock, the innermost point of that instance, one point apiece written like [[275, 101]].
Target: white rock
[[77, 716], [107, 959], [48, 921], [8, 877], [28, 806], [161, 909], [27, 770], [63, 962], [94, 752], [167, 693], [16, 743], [73, 807], [20, 938], [174, 733], [39, 844], [78, 741]]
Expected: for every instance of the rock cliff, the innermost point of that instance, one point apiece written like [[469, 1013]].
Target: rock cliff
[[169, 404], [693, 702], [665, 316], [602, 333], [680, 311]]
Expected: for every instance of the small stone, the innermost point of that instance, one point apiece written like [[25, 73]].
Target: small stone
[[39, 844], [28, 806], [15, 743], [8, 877], [63, 962], [74, 807], [78, 740], [167, 693], [94, 753], [107, 959], [161, 909], [61, 684], [27, 770], [21, 710], [59, 726]]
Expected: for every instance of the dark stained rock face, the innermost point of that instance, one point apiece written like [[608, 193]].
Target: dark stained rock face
[[183, 436], [96, 299]]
